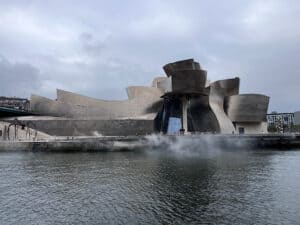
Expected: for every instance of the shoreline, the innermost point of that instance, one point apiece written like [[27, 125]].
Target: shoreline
[[130, 143]]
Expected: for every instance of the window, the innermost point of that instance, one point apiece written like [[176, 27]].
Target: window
[[241, 130]]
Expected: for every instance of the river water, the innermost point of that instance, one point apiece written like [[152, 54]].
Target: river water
[[150, 187]]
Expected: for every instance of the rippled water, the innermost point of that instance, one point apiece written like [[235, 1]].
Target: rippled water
[[223, 187]]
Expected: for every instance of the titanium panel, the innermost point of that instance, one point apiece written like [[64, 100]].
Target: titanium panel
[[247, 107], [188, 64]]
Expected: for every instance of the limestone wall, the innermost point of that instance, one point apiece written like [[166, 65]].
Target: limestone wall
[[149, 93], [253, 128], [78, 127]]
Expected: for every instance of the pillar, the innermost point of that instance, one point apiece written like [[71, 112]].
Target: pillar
[[184, 103], [5, 133]]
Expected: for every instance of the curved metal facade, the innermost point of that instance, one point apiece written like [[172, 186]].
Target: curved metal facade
[[186, 76], [73, 105], [201, 117], [247, 107], [217, 92], [226, 87], [143, 92], [157, 80], [188, 64], [189, 81]]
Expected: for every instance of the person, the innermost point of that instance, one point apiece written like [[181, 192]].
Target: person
[[181, 131]]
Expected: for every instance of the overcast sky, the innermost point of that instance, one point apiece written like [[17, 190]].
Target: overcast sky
[[97, 48]]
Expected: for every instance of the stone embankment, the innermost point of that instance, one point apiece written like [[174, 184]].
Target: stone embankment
[[162, 142]]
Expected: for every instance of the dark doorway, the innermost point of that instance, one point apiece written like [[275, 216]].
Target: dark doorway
[[241, 130]]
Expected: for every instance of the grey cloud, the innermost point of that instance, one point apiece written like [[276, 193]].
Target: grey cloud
[[98, 48], [92, 45], [18, 79]]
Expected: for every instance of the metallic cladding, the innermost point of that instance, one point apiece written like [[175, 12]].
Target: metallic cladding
[[247, 107]]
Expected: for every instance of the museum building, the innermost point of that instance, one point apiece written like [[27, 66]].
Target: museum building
[[182, 102]]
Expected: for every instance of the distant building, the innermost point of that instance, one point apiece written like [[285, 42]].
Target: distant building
[[22, 104], [297, 118], [284, 118], [282, 122]]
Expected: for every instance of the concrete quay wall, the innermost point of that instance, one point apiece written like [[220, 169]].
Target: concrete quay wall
[[68, 145], [73, 127], [162, 142]]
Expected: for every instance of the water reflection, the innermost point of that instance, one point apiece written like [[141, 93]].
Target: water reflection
[[248, 187]]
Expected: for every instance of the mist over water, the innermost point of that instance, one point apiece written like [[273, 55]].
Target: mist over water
[[186, 183], [198, 146]]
